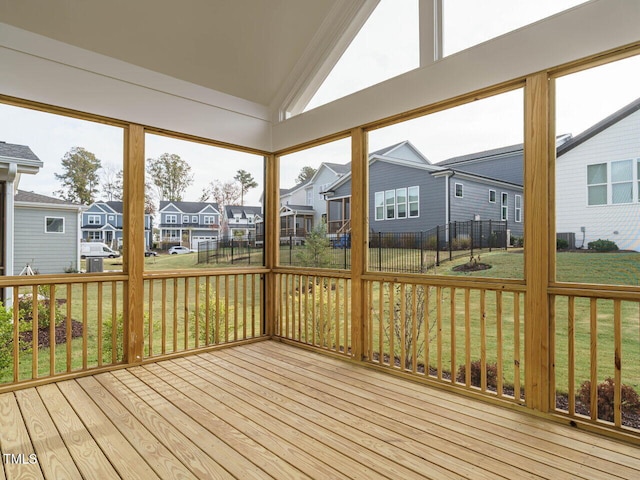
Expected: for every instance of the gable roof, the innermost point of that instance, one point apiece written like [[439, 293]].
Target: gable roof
[[31, 197], [22, 155], [189, 207], [599, 127], [243, 210]]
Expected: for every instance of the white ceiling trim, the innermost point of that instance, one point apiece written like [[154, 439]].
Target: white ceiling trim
[[334, 36]]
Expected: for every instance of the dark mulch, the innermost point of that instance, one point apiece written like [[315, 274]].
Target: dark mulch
[[629, 418], [471, 267], [60, 337]]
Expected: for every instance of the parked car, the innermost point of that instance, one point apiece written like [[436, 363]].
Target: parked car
[[150, 253], [97, 249], [179, 250]]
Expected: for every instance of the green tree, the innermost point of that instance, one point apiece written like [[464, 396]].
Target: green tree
[[171, 176], [317, 249], [306, 173], [246, 181], [80, 180]]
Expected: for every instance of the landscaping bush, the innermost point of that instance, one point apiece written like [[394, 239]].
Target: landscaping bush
[[476, 372], [602, 246], [25, 309], [107, 343], [630, 398], [517, 241], [461, 243], [6, 338], [561, 244]]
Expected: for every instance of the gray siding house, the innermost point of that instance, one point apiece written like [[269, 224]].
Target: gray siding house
[[46, 234], [407, 193], [102, 222], [241, 220], [188, 223]]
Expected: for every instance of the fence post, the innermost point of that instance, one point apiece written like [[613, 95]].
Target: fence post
[[480, 234], [455, 227], [473, 224], [290, 250], [437, 245], [421, 252], [490, 235], [379, 251]]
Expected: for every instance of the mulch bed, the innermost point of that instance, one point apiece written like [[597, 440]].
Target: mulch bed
[[471, 267], [60, 334], [629, 418]]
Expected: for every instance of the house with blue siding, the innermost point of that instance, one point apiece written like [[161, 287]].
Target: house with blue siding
[[407, 193], [46, 234], [188, 223], [102, 222]]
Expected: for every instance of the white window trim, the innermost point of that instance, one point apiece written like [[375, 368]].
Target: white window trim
[[375, 207], [409, 202], [455, 190], [635, 181], [55, 218], [405, 203], [94, 235], [171, 218], [387, 205], [495, 196], [632, 181], [185, 218], [518, 209], [209, 220], [194, 219], [91, 220], [504, 207]]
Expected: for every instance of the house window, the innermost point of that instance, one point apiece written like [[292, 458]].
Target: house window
[[112, 217], [597, 184], [504, 207], [174, 234], [310, 196], [185, 219], [458, 187], [194, 219], [93, 220], [401, 203], [414, 202], [54, 224], [94, 236], [379, 203], [492, 196], [622, 181], [390, 203], [518, 209], [171, 218], [209, 220]]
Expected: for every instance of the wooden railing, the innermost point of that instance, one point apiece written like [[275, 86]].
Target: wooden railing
[[55, 326], [469, 337], [314, 309], [187, 311], [595, 342]]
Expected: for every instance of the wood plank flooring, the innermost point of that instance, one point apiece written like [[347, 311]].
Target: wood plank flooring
[[268, 410]]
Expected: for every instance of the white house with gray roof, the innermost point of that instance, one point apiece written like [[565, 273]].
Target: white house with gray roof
[[241, 220], [598, 182]]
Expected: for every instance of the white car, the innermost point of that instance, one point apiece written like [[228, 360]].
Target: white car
[[179, 250]]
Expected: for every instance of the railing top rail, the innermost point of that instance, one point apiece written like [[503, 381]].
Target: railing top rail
[[507, 285], [318, 272], [613, 292], [21, 281], [204, 272]]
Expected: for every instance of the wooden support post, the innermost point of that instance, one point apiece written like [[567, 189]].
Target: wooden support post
[[271, 241], [359, 239], [537, 233], [133, 231]]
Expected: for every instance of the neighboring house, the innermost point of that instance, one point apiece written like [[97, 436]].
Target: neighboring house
[[46, 234], [409, 194], [241, 220], [304, 205], [598, 181], [102, 222], [188, 223]]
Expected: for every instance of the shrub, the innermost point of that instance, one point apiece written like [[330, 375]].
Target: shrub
[[606, 389], [25, 308], [476, 371], [602, 246], [6, 337], [461, 243], [561, 244], [517, 241], [107, 344]]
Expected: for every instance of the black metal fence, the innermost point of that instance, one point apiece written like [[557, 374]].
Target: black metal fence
[[409, 252], [247, 250]]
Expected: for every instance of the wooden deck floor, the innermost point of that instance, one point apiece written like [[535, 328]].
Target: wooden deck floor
[[268, 410]]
